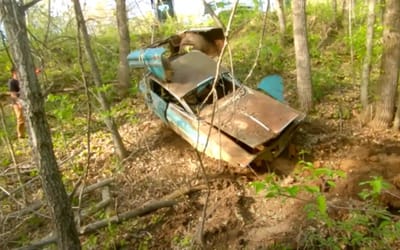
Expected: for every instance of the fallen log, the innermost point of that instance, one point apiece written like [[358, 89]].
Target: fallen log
[[97, 185], [147, 208], [105, 201]]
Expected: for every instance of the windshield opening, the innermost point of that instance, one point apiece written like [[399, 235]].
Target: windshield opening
[[203, 95]]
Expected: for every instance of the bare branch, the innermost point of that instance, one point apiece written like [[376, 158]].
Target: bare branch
[[30, 4]]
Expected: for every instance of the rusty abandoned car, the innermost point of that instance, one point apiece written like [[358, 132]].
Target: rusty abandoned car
[[207, 106]]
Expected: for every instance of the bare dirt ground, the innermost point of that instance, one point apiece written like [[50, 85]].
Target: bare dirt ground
[[237, 217]]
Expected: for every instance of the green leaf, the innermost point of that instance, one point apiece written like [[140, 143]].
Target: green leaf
[[322, 206], [323, 172], [258, 186], [272, 194], [293, 191], [397, 226], [312, 189], [331, 183], [364, 194]]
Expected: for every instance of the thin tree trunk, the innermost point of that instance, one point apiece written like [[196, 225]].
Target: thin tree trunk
[[389, 77], [396, 123], [112, 127], [334, 9], [304, 88], [282, 20], [13, 17], [367, 60], [124, 49], [350, 26]]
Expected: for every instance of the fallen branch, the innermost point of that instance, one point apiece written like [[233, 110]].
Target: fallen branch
[[7, 194], [167, 201], [106, 200], [28, 209], [103, 223], [148, 207], [97, 185], [40, 244]]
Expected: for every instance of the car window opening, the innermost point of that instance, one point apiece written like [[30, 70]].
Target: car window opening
[[203, 94], [163, 93]]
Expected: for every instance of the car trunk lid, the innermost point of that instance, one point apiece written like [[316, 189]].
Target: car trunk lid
[[253, 117]]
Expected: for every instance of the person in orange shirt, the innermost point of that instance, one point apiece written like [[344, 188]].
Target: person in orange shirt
[[14, 90]]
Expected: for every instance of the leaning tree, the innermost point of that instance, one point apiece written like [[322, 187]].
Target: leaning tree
[[13, 16]]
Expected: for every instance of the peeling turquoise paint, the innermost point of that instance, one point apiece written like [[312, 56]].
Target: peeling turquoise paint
[[190, 132]]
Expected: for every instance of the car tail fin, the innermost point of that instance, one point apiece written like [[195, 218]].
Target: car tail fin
[[153, 59], [273, 86]]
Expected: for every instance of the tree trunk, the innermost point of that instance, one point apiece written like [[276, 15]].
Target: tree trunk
[[13, 18], [367, 60], [124, 49], [336, 14], [396, 123], [334, 9], [304, 88], [389, 75], [282, 20], [112, 127]]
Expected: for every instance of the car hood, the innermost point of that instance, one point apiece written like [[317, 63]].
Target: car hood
[[250, 116]]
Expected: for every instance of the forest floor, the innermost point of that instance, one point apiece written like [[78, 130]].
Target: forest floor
[[236, 216]]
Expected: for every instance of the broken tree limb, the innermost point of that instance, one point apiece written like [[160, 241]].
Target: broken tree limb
[[38, 204], [102, 204], [40, 244], [97, 185], [106, 200], [103, 223], [183, 191], [7, 194], [146, 209], [35, 205], [167, 201]]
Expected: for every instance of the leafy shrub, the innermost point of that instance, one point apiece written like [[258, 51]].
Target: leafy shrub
[[363, 225]]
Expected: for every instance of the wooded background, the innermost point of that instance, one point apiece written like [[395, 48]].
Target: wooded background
[[85, 82]]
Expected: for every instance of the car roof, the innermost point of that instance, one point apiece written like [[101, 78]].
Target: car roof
[[203, 29], [189, 71]]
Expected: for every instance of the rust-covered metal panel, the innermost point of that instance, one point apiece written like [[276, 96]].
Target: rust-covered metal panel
[[207, 139], [189, 71], [253, 118]]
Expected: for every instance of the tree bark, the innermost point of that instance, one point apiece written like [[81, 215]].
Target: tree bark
[[282, 21], [367, 60], [304, 88], [334, 9], [124, 49], [112, 127], [13, 18], [396, 123], [389, 76]]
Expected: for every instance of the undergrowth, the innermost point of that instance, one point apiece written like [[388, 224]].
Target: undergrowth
[[358, 225]]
